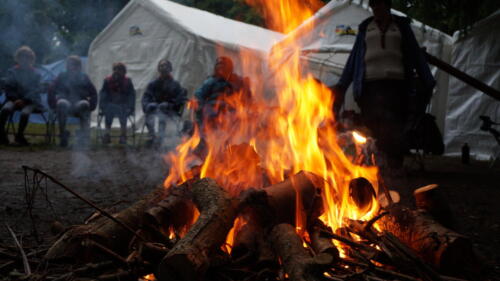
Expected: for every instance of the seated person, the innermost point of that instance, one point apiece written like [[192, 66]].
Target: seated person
[[117, 99], [21, 86], [164, 97], [73, 94], [222, 82]]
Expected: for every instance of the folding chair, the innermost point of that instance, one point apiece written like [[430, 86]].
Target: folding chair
[[11, 127], [99, 129]]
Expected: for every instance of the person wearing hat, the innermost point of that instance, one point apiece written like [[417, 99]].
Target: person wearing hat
[[117, 99], [222, 82], [22, 90], [165, 98], [382, 67], [73, 94]]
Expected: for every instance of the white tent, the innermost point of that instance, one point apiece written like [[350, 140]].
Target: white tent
[[326, 49], [146, 31], [477, 54]]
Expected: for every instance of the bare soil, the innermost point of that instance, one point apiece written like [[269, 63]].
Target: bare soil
[[114, 178]]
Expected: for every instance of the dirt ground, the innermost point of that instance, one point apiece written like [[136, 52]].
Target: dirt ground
[[113, 178]]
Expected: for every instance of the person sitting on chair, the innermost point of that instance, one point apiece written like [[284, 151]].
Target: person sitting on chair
[[223, 82], [73, 94], [164, 97], [22, 90], [117, 98]]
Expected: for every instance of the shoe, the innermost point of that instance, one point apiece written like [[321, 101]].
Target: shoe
[[123, 140], [106, 139], [4, 140], [64, 139], [21, 140]]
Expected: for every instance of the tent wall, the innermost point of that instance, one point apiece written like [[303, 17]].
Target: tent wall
[[192, 56], [477, 54]]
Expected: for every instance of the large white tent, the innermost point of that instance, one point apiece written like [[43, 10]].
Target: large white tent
[[326, 43], [146, 31], [477, 54]]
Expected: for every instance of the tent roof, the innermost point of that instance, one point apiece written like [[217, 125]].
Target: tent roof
[[335, 6], [214, 27]]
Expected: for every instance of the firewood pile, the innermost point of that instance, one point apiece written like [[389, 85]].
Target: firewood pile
[[197, 231]]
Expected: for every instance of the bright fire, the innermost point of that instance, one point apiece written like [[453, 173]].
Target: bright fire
[[258, 141]]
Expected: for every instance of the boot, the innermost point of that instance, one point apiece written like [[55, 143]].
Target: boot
[[4, 140], [64, 139], [123, 139], [106, 139], [21, 140]]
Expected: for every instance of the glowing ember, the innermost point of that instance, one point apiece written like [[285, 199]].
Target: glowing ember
[[358, 137], [149, 277], [262, 139]]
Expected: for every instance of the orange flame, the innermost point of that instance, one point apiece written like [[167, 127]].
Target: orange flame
[[261, 136]]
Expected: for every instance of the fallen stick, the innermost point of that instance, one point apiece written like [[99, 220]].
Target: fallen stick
[[190, 257], [26, 264]]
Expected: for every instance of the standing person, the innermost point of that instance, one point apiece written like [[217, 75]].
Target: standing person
[[382, 67], [222, 82], [73, 94], [164, 97], [117, 98], [22, 90]]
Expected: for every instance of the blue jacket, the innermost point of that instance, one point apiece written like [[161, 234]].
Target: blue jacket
[[413, 59]]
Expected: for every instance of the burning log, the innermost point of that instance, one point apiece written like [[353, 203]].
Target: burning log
[[190, 256], [297, 261], [361, 193], [114, 237], [431, 199], [445, 249], [321, 243]]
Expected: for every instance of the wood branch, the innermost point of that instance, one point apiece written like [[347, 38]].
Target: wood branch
[[71, 244], [431, 199], [447, 250], [297, 262], [189, 258], [320, 242], [26, 264]]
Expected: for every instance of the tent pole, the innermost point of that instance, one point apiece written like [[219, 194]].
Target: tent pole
[[464, 77]]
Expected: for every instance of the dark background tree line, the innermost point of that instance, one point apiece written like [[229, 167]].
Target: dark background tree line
[[56, 28]]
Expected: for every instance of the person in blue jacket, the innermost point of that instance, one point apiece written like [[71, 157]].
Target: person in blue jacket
[[165, 98], [117, 99], [22, 91], [383, 66], [223, 82]]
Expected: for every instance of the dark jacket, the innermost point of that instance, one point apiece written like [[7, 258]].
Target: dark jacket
[[413, 59], [165, 90], [23, 84], [73, 88], [119, 92]]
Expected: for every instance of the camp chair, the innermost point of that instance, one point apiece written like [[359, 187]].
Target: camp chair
[[143, 129], [99, 129], [11, 127]]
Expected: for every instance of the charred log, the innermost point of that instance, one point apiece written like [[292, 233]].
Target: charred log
[[190, 257], [431, 199]]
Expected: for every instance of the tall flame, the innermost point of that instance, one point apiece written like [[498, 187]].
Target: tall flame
[[260, 139]]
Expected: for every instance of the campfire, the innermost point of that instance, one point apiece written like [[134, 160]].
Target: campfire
[[268, 191]]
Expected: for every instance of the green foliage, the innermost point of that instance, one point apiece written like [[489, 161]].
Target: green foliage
[[447, 15]]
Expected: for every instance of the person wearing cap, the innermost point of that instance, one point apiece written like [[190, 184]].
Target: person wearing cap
[[165, 98], [22, 91], [117, 99], [222, 82], [73, 94], [382, 67]]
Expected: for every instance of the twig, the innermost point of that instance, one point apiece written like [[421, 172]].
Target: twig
[[370, 223], [102, 211], [26, 264]]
